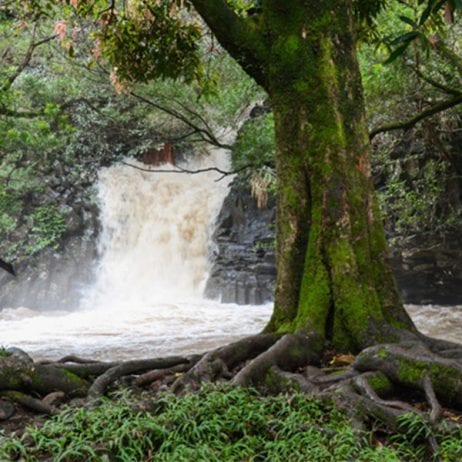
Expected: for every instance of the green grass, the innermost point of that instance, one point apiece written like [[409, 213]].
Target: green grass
[[216, 424]]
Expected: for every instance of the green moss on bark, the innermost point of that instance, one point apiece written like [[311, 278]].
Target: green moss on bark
[[333, 276]]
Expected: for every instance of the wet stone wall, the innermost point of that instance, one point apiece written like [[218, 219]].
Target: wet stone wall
[[428, 269]]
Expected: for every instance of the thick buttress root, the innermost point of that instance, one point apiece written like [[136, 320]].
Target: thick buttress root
[[379, 384]]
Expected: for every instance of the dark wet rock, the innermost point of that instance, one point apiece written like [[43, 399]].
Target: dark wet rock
[[6, 409], [53, 279], [428, 269], [243, 270]]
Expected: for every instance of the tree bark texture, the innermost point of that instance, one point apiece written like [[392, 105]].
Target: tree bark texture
[[333, 276]]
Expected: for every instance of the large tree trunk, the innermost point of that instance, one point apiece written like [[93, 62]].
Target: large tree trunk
[[333, 274]]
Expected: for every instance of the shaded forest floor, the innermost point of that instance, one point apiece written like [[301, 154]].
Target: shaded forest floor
[[129, 412]]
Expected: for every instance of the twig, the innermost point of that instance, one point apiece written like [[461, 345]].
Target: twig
[[205, 134]]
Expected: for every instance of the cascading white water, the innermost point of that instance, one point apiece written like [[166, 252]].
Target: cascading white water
[[147, 296], [157, 230]]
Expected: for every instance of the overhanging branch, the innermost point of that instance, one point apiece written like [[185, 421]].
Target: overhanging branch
[[26, 60], [177, 169], [243, 43], [408, 124], [206, 134], [440, 86]]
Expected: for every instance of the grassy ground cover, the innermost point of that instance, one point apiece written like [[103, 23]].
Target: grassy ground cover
[[220, 424]]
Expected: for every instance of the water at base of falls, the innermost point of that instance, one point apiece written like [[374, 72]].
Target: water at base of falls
[[143, 332], [165, 329]]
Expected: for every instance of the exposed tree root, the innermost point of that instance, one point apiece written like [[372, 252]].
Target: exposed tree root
[[436, 408], [408, 365], [160, 374], [76, 359], [382, 384], [364, 387], [218, 363], [100, 385], [29, 402], [323, 378], [361, 408], [88, 369], [23, 375]]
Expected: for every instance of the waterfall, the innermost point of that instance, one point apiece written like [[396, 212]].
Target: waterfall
[[146, 296], [156, 233]]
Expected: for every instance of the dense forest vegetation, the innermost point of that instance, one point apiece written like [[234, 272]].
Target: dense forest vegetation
[[66, 109], [62, 118]]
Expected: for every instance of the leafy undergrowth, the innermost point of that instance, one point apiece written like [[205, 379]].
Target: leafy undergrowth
[[217, 424]]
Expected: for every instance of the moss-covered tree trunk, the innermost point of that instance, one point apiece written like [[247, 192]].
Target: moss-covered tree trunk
[[333, 273], [333, 277]]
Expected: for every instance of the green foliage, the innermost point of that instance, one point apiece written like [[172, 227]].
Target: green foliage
[[419, 22], [414, 431], [47, 228], [50, 160], [219, 424], [146, 49], [84, 124], [214, 424], [417, 170], [255, 143], [412, 198]]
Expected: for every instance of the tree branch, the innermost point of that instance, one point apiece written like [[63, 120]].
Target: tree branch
[[406, 125], [434, 83], [205, 134], [224, 173], [242, 42], [25, 62]]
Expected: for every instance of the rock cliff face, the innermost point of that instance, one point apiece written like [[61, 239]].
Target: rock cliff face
[[428, 270], [244, 267], [52, 279]]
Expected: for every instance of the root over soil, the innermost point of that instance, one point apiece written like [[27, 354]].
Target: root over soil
[[381, 383]]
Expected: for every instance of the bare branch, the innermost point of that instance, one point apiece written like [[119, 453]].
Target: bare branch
[[406, 125], [224, 173], [434, 83]]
